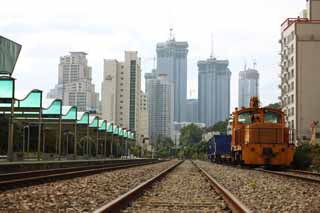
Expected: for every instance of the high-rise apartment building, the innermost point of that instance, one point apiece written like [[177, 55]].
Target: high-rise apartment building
[[300, 50], [213, 90], [192, 111], [172, 61], [120, 91], [161, 107], [75, 86], [248, 86]]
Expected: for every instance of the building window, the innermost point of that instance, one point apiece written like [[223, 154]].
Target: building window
[[292, 98], [292, 111]]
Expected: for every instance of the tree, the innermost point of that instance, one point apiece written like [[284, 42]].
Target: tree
[[274, 106], [190, 134], [164, 147], [190, 141], [221, 127]]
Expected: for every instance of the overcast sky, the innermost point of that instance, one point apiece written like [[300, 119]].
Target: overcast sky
[[243, 30]]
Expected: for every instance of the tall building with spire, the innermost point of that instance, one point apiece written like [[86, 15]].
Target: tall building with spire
[[248, 86], [172, 61], [75, 86], [213, 90]]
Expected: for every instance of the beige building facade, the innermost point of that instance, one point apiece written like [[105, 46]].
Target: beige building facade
[[120, 91], [300, 69], [144, 117]]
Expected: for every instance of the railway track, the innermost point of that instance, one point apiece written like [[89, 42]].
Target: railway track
[[22, 179], [184, 187], [297, 174]]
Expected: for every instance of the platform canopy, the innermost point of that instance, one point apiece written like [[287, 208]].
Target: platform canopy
[[9, 53]]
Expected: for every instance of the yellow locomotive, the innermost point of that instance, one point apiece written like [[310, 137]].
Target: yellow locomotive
[[259, 136]]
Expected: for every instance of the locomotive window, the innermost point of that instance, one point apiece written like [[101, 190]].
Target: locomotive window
[[245, 118], [272, 117]]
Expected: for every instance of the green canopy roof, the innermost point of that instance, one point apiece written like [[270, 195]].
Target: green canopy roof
[[94, 121], [9, 53], [115, 130], [103, 125], [84, 118], [55, 109], [32, 100], [71, 113]]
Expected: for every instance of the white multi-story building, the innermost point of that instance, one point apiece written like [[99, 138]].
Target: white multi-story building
[[161, 107], [300, 76], [120, 91], [248, 86], [213, 91], [74, 84]]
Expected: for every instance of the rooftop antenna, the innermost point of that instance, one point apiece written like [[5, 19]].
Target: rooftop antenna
[[171, 38], [245, 64], [212, 52], [254, 63]]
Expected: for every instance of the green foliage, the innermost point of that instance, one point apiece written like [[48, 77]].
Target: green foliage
[[190, 134], [134, 149], [307, 156], [221, 127], [191, 144], [274, 106], [164, 147]]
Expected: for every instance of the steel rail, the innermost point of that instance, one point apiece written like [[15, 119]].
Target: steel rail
[[44, 178], [300, 177], [233, 202], [122, 202], [304, 172], [34, 173]]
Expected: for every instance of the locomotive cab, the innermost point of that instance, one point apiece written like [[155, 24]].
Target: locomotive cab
[[260, 137]]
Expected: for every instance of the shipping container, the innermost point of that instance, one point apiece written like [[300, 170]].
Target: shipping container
[[219, 146]]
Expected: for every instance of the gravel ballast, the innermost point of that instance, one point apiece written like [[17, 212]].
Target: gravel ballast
[[82, 194], [263, 192], [183, 190]]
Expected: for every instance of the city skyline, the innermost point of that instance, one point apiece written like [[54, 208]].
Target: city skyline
[[108, 40]]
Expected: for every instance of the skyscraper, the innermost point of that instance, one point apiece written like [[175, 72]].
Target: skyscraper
[[300, 50], [120, 91], [213, 90], [192, 111], [74, 83], [160, 103], [172, 61], [248, 86]]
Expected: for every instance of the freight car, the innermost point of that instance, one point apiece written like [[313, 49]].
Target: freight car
[[259, 137], [219, 149]]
